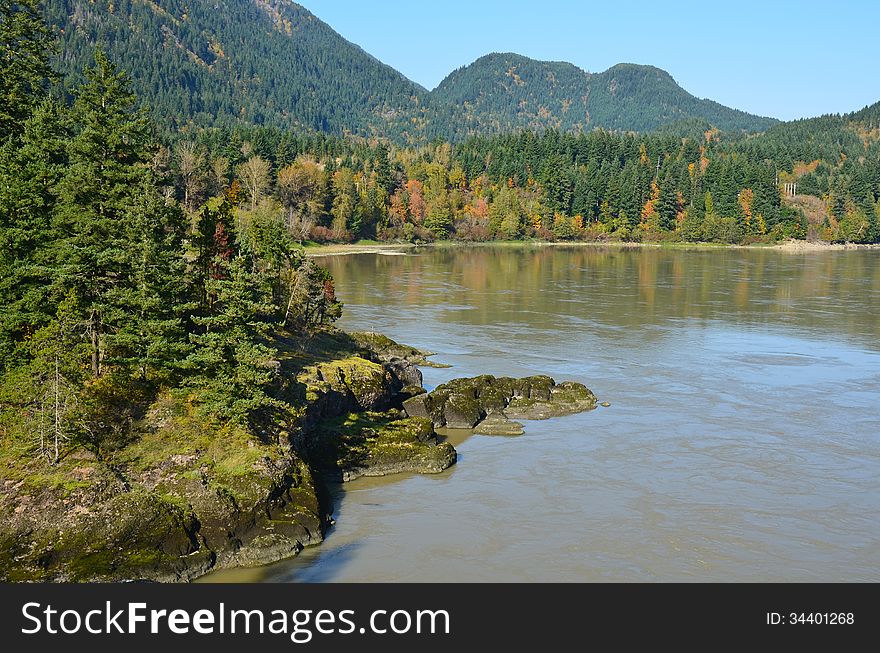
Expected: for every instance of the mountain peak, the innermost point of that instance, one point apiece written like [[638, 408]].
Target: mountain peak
[[509, 91]]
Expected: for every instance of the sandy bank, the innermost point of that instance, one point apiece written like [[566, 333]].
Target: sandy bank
[[402, 249]]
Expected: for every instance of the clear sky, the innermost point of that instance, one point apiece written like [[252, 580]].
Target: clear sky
[[777, 58]]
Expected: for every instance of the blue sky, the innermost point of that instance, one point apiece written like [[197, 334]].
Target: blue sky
[[782, 59]]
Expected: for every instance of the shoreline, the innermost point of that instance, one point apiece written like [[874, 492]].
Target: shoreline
[[402, 249]]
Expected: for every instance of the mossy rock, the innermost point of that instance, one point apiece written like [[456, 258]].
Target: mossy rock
[[135, 535], [377, 444], [461, 411], [387, 349], [465, 402], [191, 494], [352, 383], [497, 424], [427, 406]]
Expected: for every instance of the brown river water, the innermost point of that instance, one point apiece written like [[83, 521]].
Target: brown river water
[[742, 443]]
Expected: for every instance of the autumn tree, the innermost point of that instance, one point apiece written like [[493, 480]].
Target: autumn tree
[[219, 178], [302, 190], [254, 174], [416, 201], [506, 216], [345, 202], [190, 161]]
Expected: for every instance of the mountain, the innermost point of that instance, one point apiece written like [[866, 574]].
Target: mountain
[[508, 91], [272, 62], [221, 62]]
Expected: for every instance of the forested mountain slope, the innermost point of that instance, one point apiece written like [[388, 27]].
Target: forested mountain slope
[[273, 63], [222, 62], [503, 92]]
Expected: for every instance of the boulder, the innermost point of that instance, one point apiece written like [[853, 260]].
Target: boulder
[[462, 411], [498, 424]]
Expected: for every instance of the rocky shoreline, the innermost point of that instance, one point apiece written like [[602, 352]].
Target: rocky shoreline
[[188, 497]]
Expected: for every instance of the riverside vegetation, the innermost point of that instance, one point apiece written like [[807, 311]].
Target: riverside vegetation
[[173, 389]]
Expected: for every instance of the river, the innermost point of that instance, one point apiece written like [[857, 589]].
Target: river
[[742, 442]]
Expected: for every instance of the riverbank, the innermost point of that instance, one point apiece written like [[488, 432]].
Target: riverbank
[[188, 494], [401, 249], [360, 247]]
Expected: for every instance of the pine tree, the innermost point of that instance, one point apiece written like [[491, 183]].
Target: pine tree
[[667, 204], [232, 364], [31, 130], [557, 186], [97, 195], [149, 335], [30, 167], [384, 176]]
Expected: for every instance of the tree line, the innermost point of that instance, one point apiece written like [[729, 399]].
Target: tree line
[[664, 186]]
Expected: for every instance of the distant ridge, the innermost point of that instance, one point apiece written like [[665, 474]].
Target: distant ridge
[[508, 91]]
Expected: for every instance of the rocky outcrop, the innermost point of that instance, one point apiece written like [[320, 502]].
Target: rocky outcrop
[[189, 494], [377, 444], [467, 403], [388, 350]]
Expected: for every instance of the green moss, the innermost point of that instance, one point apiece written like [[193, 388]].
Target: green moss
[[380, 443], [359, 382]]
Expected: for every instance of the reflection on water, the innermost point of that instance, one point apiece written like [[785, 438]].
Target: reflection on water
[[741, 445]]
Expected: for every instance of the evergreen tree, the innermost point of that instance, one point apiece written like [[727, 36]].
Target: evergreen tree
[[149, 336], [233, 364], [97, 194], [667, 205], [30, 167]]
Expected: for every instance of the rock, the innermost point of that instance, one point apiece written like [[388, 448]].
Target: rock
[[404, 371], [341, 386], [387, 349], [366, 382], [566, 398], [409, 391], [377, 444], [418, 406], [188, 496], [605, 404], [462, 411], [497, 424], [464, 403]]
